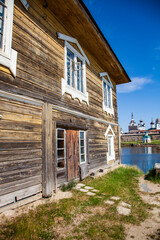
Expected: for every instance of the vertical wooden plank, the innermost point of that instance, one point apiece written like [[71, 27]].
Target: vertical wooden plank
[[87, 148], [47, 163], [54, 154], [119, 143], [72, 153]]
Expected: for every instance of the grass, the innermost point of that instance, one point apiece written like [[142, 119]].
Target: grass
[[83, 217], [156, 142], [68, 187], [151, 176]]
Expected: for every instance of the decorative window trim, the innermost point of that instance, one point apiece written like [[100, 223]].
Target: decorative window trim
[[84, 148], [108, 82], [64, 149], [111, 136], [25, 4], [81, 96], [8, 56]]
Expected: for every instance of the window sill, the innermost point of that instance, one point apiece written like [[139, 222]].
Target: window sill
[[112, 157], [73, 92], [9, 62], [108, 110]]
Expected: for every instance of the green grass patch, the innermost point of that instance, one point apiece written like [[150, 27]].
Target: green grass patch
[[83, 217], [151, 176], [68, 187], [156, 142]]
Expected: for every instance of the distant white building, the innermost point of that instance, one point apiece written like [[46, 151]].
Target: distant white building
[[141, 125], [152, 125], [157, 125], [132, 125]]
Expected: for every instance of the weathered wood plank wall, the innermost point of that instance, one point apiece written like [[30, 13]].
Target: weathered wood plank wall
[[20, 150], [40, 68]]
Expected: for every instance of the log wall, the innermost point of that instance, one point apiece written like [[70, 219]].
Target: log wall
[[20, 150]]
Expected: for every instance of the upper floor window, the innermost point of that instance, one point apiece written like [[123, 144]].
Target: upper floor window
[[75, 70], [107, 93], [74, 81], [8, 56], [2, 10]]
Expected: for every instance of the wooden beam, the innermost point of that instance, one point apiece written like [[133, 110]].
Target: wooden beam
[[47, 163]]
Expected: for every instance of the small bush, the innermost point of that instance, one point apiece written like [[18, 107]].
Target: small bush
[[68, 187]]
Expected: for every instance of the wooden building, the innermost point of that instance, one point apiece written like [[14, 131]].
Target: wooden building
[[58, 104]]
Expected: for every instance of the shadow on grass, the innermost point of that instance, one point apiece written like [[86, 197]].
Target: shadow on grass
[[151, 176]]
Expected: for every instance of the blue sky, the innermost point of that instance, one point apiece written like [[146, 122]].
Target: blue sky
[[132, 28]]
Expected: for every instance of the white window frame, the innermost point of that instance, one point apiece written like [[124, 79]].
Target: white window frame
[[110, 135], [81, 96], [8, 56], [107, 81], [84, 147], [64, 139], [73, 91]]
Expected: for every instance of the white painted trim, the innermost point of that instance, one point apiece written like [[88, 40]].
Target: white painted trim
[[108, 80], [8, 56], [81, 163], [33, 101], [73, 92], [106, 108], [107, 131], [25, 4], [20, 98], [73, 40], [112, 156], [69, 89], [9, 62], [79, 114]]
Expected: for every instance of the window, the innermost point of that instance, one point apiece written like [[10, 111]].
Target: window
[[75, 71], [82, 146], [2, 9], [61, 149], [8, 56], [109, 134], [107, 93]]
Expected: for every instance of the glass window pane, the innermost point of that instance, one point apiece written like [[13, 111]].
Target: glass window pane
[[82, 143], [60, 164], [82, 158], [104, 93], [60, 133], [70, 68], [81, 135], [60, 154], [1, 23], [82, 150], [60, 144], [109, 96]]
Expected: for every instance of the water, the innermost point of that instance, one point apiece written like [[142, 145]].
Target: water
[[143, 157]]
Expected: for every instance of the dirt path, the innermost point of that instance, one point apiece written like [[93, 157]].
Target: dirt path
[[150, 228]]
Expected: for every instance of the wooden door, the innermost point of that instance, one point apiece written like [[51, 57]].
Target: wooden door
[[72, 153]]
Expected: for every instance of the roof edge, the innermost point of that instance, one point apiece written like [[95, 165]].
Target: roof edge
[[105, 40]]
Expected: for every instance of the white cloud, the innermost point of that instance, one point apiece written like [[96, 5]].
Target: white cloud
[[136, 84]]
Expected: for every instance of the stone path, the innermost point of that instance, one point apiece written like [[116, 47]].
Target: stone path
[[148, 229], [122, 208]]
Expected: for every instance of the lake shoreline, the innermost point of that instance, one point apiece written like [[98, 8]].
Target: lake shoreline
[[140, 145]]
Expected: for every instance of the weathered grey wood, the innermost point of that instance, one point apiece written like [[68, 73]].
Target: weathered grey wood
[[54, 153], [87, 148], [47, 162], [21, 202], [18, 195]]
